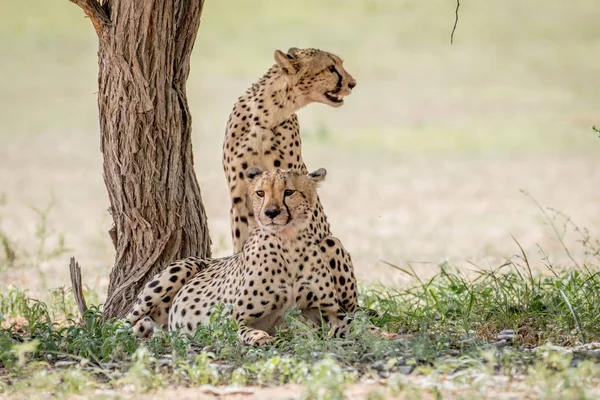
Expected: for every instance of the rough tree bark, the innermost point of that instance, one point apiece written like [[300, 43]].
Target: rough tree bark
[[145, 127]]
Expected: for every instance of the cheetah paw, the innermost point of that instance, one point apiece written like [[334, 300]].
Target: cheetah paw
[[263, 340]]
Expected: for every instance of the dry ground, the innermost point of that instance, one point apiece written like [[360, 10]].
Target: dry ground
[[383, 206]]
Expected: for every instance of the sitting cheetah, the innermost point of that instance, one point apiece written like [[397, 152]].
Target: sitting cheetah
[[280, 266], [263, 131]]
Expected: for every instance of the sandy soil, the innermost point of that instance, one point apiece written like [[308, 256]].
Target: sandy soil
[[385, 206]]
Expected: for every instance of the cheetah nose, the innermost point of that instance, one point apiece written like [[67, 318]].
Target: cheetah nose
[[272, 212], [352, 85]]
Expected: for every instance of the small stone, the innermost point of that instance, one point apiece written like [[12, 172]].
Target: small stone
[[502, 343], [405, 369], [228, 390], [368, 357], [164, 362], [507, 334], [402, 339], [383, 374], [109, 365], [379, 365], [588, 353], [506, 337], [65, 364]]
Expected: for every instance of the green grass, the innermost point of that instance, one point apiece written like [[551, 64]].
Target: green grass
[[450, 322], [450, 325]]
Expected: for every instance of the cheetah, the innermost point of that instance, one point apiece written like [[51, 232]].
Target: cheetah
[[281, 266], [263, 131]]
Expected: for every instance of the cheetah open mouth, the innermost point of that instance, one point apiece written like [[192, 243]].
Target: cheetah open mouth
[[334, 97]]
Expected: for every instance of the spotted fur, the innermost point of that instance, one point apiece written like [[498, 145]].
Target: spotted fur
[[281, 265], [263, 131]]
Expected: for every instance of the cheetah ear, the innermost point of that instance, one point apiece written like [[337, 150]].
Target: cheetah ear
[[253, 172], [285, 61], [318, 175]]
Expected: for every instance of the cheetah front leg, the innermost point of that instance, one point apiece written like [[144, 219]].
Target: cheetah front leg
[[330, 312], [240, 218], [340, 266], [248, 153]]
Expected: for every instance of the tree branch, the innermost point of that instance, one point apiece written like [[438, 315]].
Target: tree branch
[[455, 21], [95, 12], [75, 272]]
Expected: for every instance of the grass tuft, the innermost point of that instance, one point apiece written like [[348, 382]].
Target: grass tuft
[[450, 325]]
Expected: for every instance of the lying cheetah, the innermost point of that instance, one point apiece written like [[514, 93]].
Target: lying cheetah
[[263, 131], [280, 266]]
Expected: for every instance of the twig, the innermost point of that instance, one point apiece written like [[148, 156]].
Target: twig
[[95, 12], [455, 21], [75, 271], [559, 237]]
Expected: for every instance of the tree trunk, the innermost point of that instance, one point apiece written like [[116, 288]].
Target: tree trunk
[[145, 127]]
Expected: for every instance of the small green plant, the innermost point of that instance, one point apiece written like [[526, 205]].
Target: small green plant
[[49, 245], [201, 371], [143, 374], [220, 336], [43, 235], [327, 381], [8, 256]]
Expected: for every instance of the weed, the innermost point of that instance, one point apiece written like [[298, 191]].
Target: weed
[[201, 371], [9, 255], [327, 381], [239, 377], [49, 245], [142, 375]]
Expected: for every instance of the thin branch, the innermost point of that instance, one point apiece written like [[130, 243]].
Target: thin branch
[[95, 12], [75, 272], [559, 237], [455, 21]]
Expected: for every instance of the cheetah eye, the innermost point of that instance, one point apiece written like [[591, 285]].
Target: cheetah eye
[[260, 193], [288, 192], [332, 69]]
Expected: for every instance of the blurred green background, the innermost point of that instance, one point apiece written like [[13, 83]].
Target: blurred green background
[[425, 159]]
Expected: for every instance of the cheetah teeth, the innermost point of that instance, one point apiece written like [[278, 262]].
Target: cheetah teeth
[[334, 97]]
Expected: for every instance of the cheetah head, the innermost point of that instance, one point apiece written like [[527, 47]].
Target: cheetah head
[[316, 76], [283, 200]]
